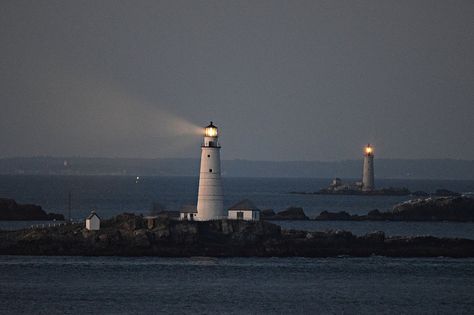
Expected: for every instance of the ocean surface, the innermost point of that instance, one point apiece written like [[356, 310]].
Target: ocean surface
[[202, 285], [110, 285], [111, 195]]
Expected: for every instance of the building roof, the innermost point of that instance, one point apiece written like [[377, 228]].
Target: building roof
[[150, 217], [188, 209], [211, 125], [169, 213], [244, 205], [92, 214]]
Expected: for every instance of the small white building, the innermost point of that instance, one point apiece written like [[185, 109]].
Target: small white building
[[244, 210], [188, 213], [93, 222]]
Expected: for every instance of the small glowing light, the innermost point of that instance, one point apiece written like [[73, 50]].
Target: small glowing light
[[138, 177], [211, 131], [368, 149]]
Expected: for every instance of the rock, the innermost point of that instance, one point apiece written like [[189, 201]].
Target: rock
[[459, 209], [435, 209], [420, 193], [219, 238], [377, 236], [328, 216], [185, 232], [10, 210], [104, 238], [446, 193], [354, 190], [142, 238], [376, 215], [292, 213]]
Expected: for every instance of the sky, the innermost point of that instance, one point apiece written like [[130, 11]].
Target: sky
[[283, 80]]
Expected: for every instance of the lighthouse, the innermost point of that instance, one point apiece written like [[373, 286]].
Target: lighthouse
[[210, 205], [368, 172]]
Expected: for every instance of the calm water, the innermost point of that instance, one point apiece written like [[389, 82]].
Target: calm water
[[75, 285], [111, 195], [111, 285]]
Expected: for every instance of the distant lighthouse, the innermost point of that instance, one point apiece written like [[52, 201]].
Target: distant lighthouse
[[368, 172], [210, 205]]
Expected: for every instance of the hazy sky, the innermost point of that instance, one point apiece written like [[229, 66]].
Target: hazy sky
[[284, 80]]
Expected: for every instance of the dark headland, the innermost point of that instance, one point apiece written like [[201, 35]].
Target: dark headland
[[132, 235], [10, 210]]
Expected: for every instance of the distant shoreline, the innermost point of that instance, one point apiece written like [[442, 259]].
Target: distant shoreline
[[435, 169]]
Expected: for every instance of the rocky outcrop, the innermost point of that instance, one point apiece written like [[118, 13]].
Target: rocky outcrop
[[10, 210], [445, 193], [333, 216], [292, 213], [390, 191], [127, 235], [459, 209], [436, 209]]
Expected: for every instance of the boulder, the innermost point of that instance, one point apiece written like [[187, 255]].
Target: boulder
[[292, 213], [328, 216]]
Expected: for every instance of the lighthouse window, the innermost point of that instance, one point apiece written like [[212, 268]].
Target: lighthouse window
[[208, 155], [210, 170]]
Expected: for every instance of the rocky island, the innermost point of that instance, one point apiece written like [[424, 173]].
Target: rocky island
[[337, 187], [12, 211], [132, 235], [457, 209], [291, 213]]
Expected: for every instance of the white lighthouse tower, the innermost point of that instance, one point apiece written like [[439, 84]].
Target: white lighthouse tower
[[210, 205], [368, 172]]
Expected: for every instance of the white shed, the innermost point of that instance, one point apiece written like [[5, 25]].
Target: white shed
[[188, 213], [244, 210], [93, 222]]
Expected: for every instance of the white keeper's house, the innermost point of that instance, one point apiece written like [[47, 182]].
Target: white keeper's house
[[188, 212], [244, 210], [93, 222]]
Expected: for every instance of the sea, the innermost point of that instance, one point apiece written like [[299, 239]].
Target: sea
[[204, 285], [112, 195]]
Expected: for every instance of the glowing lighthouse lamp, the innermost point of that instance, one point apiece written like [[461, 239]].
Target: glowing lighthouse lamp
[[210, 205], [368, 171]]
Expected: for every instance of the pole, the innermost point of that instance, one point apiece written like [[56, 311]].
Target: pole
[[69, 203]]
